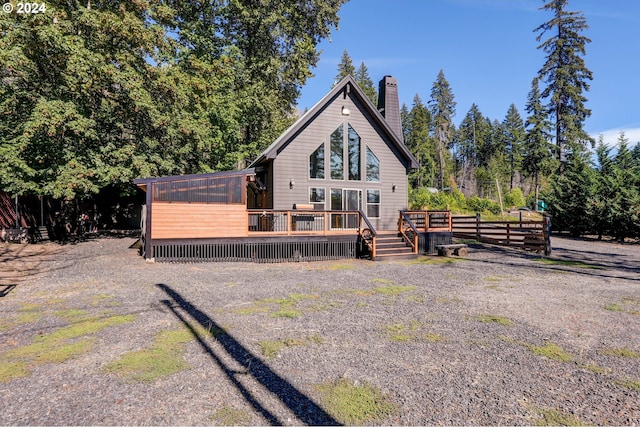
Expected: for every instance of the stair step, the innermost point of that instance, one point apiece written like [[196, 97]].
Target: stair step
[[391, 246]]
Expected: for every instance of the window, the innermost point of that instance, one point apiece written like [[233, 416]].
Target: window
[[353, 147], [337, 154], [316, 163], [316, 197], [336, 199], [373, 166], [373, 203]]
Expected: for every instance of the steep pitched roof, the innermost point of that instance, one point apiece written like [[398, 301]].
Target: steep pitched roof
[[349, 85]]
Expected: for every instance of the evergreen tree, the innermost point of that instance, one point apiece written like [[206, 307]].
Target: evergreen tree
[[537, 155], [419, 142], [472, 138], [571, 193], [442, 107], [514, 134], [366, 84], [345, 68], [565, 74]]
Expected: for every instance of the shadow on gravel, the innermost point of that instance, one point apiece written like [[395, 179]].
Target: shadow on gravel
[[5, 289], [307, 411], [590, 263]]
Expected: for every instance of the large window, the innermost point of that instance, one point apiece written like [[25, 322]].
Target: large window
[[316, 163], [353, 147], [337, 154], [317, 197], [348, 147], [373, 166], [373, 203]]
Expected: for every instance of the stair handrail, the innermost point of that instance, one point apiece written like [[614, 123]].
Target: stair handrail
[[408, 231], [368, 234]]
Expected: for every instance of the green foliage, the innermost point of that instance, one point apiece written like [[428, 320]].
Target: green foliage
[[515, 198], [95, 95]]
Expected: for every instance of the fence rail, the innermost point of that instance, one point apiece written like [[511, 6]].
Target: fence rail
[[525, 234]]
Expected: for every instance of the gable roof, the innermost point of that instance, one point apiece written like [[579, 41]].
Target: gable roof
[[349, 85]]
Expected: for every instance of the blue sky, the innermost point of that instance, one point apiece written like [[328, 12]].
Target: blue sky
[[488, 52]]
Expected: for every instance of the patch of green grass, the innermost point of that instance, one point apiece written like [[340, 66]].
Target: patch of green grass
[[383, 281], [393, 290], [551, 351], [621, 352], [12, 370], [556, 417], [411, 331], [353, 404], [633, 385], [71, 314], [252, 309], [490, 318], [338, 267], [432, 260], [271, 348], [286, 307], [165, 357], [568, 263], [401, 332], [228, 416], [493, 279], [592, 367], [613, 307], [58, 346]]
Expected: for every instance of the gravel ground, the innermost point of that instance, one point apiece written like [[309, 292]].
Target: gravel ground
[[466, 349]]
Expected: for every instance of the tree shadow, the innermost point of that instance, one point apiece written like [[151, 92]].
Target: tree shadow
[[581, 262], [305, 409]]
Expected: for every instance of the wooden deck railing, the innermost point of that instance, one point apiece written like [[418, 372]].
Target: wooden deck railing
[[298, 222], [408, 231], [526, 234], [430, 221], [309, 222]]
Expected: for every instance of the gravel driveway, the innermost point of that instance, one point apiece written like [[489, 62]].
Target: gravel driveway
[[501, 337]]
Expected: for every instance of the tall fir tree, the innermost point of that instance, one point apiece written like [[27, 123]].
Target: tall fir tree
[[565, 74], [442, 108], [366, 84], [514, 134], [420, 143], [345, 68], [537, 151]]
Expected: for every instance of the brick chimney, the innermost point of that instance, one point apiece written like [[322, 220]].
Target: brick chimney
[[389, 104]]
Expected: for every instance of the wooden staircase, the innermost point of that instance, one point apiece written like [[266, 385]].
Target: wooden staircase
[[390, 246]]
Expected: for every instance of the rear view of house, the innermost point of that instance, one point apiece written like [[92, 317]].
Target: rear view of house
[[320, 191]]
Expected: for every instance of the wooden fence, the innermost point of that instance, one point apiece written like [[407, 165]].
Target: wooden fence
[[524, 234]]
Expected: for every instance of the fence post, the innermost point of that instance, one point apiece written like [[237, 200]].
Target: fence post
[[478, 226], [547, 236]]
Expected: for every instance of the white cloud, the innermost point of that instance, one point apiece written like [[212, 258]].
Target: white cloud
[[611, 136]]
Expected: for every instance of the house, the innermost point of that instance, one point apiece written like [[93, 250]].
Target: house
[[329, 187], [342, 154]]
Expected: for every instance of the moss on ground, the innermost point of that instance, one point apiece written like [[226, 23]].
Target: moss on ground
[[165, 357], [354, 404], [58, 346]]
